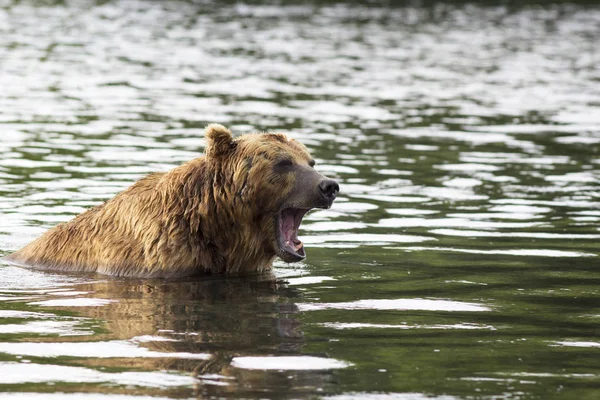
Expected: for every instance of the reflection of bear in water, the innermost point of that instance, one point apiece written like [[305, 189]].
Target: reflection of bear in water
[[222, 317], [231, 211], [213, 309]]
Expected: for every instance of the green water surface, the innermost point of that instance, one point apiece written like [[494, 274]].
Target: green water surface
[[459, 262]]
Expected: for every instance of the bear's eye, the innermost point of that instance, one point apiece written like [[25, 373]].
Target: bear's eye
[[311, 163], [284, 164]]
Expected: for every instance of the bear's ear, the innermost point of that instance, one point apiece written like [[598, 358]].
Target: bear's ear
[[219, 140]]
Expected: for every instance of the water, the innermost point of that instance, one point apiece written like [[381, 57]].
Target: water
[[460, 260]]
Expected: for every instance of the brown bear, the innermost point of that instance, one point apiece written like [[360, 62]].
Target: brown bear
[[232, 211]]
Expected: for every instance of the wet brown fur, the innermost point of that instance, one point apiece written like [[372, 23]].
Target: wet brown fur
[[212, 214]]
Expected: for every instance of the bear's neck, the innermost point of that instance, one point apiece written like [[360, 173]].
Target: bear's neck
[[223, 231]]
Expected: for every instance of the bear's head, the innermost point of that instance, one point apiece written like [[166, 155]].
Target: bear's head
[[267, 183]]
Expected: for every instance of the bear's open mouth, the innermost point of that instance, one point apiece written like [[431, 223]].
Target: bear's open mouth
[[289, 222]]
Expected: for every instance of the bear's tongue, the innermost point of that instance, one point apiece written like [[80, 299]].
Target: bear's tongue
[[290, 222]]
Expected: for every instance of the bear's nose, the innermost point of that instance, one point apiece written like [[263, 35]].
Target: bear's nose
[[329, 188]]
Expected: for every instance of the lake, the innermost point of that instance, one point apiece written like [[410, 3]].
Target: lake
[[460, 260]]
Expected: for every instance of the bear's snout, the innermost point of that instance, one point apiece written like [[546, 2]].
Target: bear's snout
[[329, 189]]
